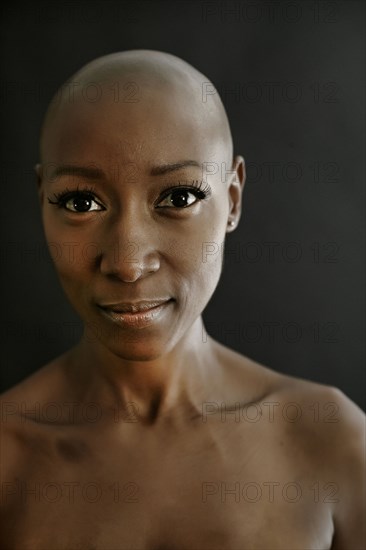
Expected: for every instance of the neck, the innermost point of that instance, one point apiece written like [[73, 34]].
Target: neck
[[174, 383]]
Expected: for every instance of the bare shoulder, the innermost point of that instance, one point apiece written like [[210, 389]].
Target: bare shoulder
[[332, 436], [319, 402], [344, 453], [36, 390], [306, 396], [324, 430], [21, 408], [329, 418], [318, 415]]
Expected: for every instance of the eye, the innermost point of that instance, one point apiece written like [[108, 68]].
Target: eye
[[182, 196], [82, 203], [179, 199], [76, 201]]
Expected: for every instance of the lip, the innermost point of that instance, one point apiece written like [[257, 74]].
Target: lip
[[134, 307], [137, 314]]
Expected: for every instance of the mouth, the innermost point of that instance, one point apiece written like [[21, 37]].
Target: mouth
[[136, 314]]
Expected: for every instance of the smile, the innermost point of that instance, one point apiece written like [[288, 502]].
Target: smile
[[136, 315]]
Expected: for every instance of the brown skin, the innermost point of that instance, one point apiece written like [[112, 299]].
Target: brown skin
[[161, 392]]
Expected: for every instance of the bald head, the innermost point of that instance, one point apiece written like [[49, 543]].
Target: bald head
[[135, 80]]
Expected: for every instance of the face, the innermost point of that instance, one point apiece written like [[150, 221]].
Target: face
[[139, 217]]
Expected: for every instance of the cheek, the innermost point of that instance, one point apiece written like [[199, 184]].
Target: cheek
[[204, 240], [198, 256], [72, 251], [211, 247]]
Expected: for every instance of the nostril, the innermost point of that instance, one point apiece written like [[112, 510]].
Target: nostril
[[126, 271], [130, 261], [132, 276], [153, 265], [127, 275]]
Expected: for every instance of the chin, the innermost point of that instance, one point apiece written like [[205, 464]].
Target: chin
[[138, 352], [144, 344]]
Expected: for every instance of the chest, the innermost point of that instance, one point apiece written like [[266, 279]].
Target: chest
[[206, 489], [198, 501]]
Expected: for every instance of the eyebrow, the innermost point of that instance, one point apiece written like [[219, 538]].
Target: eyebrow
[[94, 173], [82, 171], [164, 168]]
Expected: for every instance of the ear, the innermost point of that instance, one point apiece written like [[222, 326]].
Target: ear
[[39, 175], [235, 190]]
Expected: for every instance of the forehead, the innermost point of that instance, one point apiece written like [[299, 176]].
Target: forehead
[[140, 124]]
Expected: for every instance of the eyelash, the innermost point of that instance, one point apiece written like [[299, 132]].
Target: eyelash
[[196, 187], [60, 199]]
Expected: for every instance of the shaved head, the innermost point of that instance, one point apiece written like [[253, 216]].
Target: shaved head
[[136, 151], [136, 80]]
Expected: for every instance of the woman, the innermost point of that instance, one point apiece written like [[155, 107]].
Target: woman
[[148, 433]]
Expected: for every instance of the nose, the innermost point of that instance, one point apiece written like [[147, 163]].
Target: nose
[[130, 251]]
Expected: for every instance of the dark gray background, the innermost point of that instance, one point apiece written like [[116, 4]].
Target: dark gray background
[[291, 75]]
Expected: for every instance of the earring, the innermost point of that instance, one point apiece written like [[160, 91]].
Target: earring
[[231, 223]]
